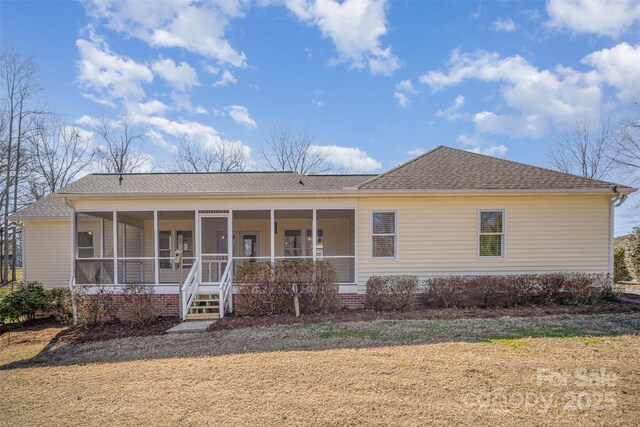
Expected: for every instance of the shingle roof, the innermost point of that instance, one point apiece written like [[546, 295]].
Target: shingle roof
[[224, 182], [445, 168], [47, 207], [441, 169]]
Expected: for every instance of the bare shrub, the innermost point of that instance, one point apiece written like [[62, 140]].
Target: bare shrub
[[263, 289], [391, 292], [511, 290], [94, 306], [139, 303]]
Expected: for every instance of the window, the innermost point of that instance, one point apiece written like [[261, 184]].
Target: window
[[292, 243], [85, 244], [491, 236], [383, 234], [319, 243], [164, 249]]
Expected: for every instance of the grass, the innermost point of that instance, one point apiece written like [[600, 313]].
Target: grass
[[418, 372]]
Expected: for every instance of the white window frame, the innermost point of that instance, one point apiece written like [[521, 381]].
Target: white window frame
[[171, 251], [302, 241], [395, 235], [503, 244], [92, 247]]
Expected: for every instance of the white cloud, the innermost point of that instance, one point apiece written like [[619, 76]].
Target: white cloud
[[603, 17], [150, 108], [476, 144], [240, 115], [514, 125], [181, 76], [403, 93], [532, 14], [347, 159], [504, 25], [618, 66], [196, 26], [355, 28], [108, 74], [536, 96], [226, 78], [451, 112], [416, 152]]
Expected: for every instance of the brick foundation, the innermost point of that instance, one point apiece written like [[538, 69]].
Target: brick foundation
[[169, 302], [351, 301]]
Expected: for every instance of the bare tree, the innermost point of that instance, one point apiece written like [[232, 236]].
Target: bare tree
[[586, 151], [225, 156], [117, 151], [285, 151], [59, 154], [628, 150], [19, 78]]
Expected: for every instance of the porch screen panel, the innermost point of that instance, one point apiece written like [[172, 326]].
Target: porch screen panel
[[136, 259], [336, 243], [214, 241], [175, 227], [251, 237], [93, 259]]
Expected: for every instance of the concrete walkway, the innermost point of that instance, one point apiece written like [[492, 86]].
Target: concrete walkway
[[197, 326]]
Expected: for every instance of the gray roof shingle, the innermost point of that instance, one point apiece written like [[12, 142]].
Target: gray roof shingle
[[445, 168], [210, 183], [440, 169], [46, 208]]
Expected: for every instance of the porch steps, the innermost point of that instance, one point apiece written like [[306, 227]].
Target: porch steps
[[204, 307]]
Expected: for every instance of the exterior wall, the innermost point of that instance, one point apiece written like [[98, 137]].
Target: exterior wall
[[47, 252], [439, 236], [436, 235]]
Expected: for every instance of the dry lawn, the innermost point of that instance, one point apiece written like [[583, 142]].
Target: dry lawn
[[419, 372]]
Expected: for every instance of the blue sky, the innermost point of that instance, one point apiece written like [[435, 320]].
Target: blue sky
[[376, 81]]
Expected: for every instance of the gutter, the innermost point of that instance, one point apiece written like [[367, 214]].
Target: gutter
[[350, 192]]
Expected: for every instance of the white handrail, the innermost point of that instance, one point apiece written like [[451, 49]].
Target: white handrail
[[189, 289], [225, 289]]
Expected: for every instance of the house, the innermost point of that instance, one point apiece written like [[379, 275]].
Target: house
[[446, 212]]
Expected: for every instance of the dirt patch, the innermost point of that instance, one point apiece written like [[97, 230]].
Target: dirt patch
[[232, 322], [49, 331]]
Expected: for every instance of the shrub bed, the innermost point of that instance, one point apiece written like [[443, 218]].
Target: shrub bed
[[391, 292], [511, 290], [263, 289]]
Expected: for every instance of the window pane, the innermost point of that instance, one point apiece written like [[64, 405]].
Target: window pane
[[491, 222], [491, 245], [292, 243], [384, 246], [85, 253], [187, 240], [85, 239], [384, 223], [164, 240]]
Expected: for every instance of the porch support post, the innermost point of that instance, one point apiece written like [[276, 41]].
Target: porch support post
[[101, 237], [115, 247], [156, 263], [72, 276], [230, 234], [273, 237], [314, 234]]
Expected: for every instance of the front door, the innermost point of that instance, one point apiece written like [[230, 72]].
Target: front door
[[214, 249]]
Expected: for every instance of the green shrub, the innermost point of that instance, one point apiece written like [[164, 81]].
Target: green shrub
[[632, 253], [620, 270], [265, 290], [58, 302], [391, 292], [139, 303], [23, 302]]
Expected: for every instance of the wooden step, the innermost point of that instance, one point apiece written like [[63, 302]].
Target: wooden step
[[208, 297], [203, 309], [205, 316]]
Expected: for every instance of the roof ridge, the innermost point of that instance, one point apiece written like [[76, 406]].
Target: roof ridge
[[400, 166], [188, 173], [532, 166]]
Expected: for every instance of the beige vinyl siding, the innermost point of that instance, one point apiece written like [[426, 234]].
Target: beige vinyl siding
[[47, 252], [439, 236]]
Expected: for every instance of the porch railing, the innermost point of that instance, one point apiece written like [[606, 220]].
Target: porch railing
[[226, 290], [189, 289]]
